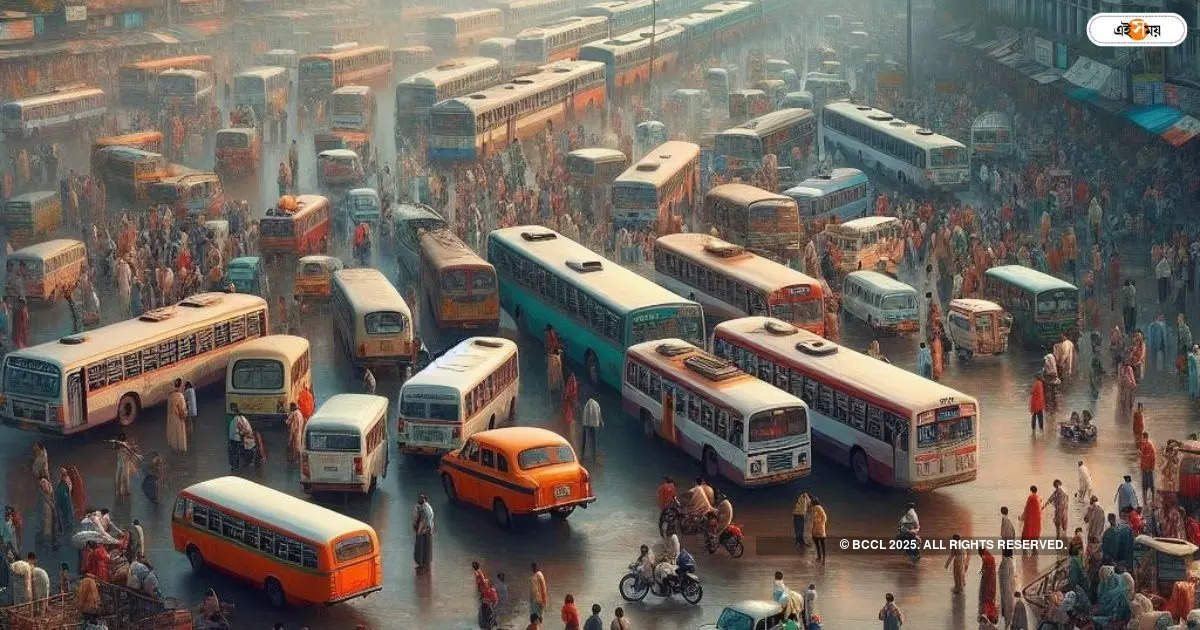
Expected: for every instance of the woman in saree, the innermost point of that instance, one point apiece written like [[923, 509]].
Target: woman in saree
[[1127, 390], [64, 510]]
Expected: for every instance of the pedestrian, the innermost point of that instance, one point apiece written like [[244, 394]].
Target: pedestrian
[[47, 521], [924, 361], [1005, 578], [1127, 498], [295, 429], [368, 381], [1156, 339], [1037, 405], [1007, 530], [810, 605], [569, 399], [422, 524], [890, 614], [487, 598], [1094, 518], [1126, 390], [960, 560], [666, 493], [1058, 499], [539, 593], [235, 437], [1146, 462], [818, 528], [64, 578], [189, 396], [569, 613], [177, 419], [136, 548], [20, 332], [594, 622], [41, 461], [155, 475], [592, 421], [1031, 517], [1020, 618], [987, 584], [62, 500], [21, 581], [1139, 423], [126, 456], [620, 621], [799, 513], [501, 587], [1129, 304]]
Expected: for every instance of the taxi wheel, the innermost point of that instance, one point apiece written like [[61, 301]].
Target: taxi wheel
[[501, 514], [128, 409], [448, 486]]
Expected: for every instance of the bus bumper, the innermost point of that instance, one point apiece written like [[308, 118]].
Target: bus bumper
[[768, 480], [26, 425], [421, 450], [922, 486], [373, 589]]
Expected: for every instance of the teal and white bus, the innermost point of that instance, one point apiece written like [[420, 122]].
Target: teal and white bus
[[597, 307]]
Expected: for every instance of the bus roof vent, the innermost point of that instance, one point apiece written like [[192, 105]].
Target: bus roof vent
[[817, 347], [717, 247], [488, 343], [585, 266], [782, 329], [880, 116], [522, 81], [897, 123], [863, 108], [73, 340], [158, 314], [711, 368], [925, 132], [672, 349], [646, 166], [201, 299], [539, 236], [477, 96]]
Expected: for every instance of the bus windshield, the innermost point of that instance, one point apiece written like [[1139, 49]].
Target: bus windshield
[[341, 442], [665, 322], [903, 301], [276, 226], [482, 280], [947, 156], [176, 85], [637, 197], [317, 68], [232, 141], [384, 323], [258, 374], [777, 423], [454, 280], [797, 312], [352, 548], [28, 383], [347, 104]]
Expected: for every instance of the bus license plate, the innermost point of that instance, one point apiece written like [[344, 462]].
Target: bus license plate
[[429, 435], [331, 469], [562, 491]]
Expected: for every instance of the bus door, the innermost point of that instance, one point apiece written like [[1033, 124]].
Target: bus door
[[76, 400], [900, 453], [510, 130]]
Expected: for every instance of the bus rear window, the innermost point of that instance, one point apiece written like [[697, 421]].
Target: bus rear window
[[544, 456], [339, 442], [384, 323], [945, 431], [778, 423], [276, 226], [232, 141], [351, 548], [258, 374]]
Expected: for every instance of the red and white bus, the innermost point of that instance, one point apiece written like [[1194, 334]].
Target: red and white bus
[[303, 231], [889, 425], [732, 282]]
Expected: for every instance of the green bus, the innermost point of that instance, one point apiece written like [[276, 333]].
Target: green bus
[[1043, 307], [597, 307]]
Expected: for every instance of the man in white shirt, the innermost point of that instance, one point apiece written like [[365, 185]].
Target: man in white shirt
[[249, 443], [592, 421], [235, 439]]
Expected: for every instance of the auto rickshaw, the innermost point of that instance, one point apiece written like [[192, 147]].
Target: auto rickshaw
[[248, 274], [977, 327], [238, 152], [314, 276], [1161, 562]]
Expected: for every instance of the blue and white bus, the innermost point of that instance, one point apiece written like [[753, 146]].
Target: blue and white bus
[[844, 193], [597, 307]]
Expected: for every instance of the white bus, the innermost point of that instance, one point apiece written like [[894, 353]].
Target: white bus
[[345, 445], [61, 109], [991, 136], [265, 89], [189, 90], [844, 193], [889, 425], [663, 184], [738, 426], [416, 95], [463, 30], [471, 388], [114, 372], [881, 302], [865, 243], [560, 40], [906, 152], [372, 321]]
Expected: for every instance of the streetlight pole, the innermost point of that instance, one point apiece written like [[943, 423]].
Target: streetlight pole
[[653, 37], [908, 63]]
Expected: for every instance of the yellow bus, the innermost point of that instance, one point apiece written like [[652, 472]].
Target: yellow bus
[[32, 216], [47, 270], [114, 372], [373, 323], [664, 183], [459, 284], [764, 222], [266, 375]]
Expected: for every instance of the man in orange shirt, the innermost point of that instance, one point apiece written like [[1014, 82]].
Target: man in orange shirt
[[1037, 405], [1146, 459]]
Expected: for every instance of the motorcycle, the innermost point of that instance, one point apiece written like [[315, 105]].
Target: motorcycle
[[731, 540], [1079, 434], [911, 549], [672, 520], [634, 587]]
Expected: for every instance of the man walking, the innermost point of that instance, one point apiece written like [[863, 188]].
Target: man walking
[[890, 614], [592, 421], [422, 523], [1147, 457], [594, 622], [1058, 499], [235, 437], [539, 593]]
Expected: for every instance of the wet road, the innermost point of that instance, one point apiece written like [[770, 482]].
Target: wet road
[[588, 553]]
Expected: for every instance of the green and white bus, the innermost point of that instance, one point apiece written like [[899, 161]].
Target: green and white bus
[[597, 307], [1043, 307]]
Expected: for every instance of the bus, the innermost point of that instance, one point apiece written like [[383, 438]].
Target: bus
[[460, 31], [32, 216], [626, 57], [560, 40], [764, 222], [887, 424], [590, 174], [322, 73], [663, 185], [472, 126], [265, 376], [623, 15], [881, 302], [737, 426], [297, 552], [597, 307], [521, 13], [842, 193], [472, 387], [345, 445], [129, 172], [187, 90], [45, 271], [991, 135], [911, 154], [303, 231], [459, 285], [136, 80], [114, 372], [151, 141], [787, 133], [730, 282], [1043, 307], [867, 243], [61, 110], [417, 94], [372, 321], [826, 88], [409, 59], [502, 49], [410, 221], [353, 107], [265, 89]]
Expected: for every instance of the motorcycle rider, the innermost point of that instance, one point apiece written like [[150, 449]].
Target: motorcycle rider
[[684, 564], [699, 500], [665, 563], [719, 522], [910, 525]]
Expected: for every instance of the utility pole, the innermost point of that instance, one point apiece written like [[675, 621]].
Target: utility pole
[[908, 62], [653, 37]]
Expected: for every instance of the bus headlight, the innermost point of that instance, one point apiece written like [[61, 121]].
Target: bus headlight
[[756, 467], [802, 459]]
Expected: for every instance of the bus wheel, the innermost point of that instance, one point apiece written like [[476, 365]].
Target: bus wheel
[[195, 559], [128, 409], [593, 368], [275, 593], [648, 424], [858, 464], [512, 412], [492, 422], [448, 487], [500, 512], [708, 458]]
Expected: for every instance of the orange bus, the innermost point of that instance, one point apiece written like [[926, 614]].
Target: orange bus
[[303, 231], [136, 80], [322, 73], [460, 286], [298, 552]]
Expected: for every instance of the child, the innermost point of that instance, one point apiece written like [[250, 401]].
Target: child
[[501, 587]]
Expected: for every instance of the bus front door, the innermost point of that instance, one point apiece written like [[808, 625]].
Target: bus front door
[[76, 400], [900, 456]]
